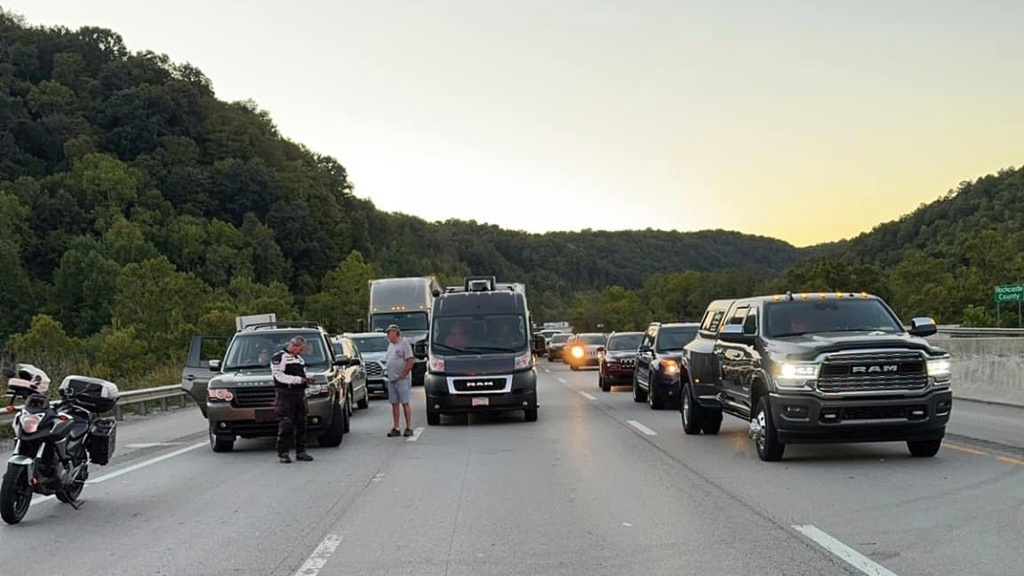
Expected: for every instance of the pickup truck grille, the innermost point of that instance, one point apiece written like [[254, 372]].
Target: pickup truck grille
[[873, 371], [257, 397]]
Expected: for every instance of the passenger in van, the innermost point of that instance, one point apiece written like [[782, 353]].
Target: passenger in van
[[458, 335], [504, 333]]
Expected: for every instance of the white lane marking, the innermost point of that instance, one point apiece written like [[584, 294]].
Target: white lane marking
[[560, 379], [149, 462], [415, 434], [851, 556], [588, 396], [151, 444], [131, 468], [318, 559], [641, 427]]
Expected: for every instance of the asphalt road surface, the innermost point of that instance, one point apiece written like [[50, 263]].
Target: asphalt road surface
[[598, 485]]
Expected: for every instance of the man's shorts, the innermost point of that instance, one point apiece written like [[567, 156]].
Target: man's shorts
[[400, 391]]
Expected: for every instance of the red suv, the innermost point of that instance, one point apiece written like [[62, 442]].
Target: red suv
[[618, 361]]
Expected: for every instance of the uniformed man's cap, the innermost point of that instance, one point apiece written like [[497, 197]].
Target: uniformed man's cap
[[394, 327]]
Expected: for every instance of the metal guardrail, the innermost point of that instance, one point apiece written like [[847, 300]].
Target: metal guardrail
[[129, 398], [959, 332]]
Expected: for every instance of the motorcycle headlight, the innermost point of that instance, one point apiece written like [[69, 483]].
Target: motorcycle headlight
[[30, 423]]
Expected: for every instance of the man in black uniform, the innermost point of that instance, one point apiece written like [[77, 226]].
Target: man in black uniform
[[290, 381]]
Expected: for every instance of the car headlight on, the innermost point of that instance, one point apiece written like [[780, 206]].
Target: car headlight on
[[940, 369], [577, 352], [795, 375], [219, 395], [669, 367]]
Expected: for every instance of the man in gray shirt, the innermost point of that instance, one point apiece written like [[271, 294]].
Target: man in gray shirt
[[398, 364]]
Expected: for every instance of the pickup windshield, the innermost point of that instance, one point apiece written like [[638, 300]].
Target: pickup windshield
[[783, 319]]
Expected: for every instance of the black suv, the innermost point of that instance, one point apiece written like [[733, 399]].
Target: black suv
[[656, 377], [816, 368]]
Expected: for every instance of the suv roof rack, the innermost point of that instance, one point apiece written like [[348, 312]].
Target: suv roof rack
[[282, 324]]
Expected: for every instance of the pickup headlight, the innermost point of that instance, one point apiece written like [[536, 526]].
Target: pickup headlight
[[940, 370], [796, 374]]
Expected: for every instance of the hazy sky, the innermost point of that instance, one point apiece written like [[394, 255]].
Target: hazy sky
[[808, 121]]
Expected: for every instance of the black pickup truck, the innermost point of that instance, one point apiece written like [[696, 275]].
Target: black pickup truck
[[816, 368]]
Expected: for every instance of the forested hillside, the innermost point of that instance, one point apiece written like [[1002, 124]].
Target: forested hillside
[[137, 209]]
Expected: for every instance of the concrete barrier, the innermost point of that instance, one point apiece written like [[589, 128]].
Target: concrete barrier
[[986, 369]]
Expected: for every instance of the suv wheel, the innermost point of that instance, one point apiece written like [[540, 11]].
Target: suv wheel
[[603, 384], [364, 402], [336, 433], [220, 443], [347, 420], [638, 394]]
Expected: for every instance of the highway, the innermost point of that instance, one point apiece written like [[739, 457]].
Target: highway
[[598, 485]]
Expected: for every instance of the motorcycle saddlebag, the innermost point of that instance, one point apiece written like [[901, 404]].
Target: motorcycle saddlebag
[[101, 441]]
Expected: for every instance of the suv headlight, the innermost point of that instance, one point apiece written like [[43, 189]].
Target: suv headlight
[[796, 374], [219, 395], [318, 390]]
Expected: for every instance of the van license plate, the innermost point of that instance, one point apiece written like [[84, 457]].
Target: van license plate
[[481, 401]]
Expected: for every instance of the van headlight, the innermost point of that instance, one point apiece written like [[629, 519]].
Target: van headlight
[[524, 361]]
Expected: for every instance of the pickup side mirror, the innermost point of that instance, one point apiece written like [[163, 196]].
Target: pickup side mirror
[[214, 365], [733, 333], [419, 350], [923, 326]]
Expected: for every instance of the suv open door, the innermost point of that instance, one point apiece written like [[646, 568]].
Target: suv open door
[[196, 374]]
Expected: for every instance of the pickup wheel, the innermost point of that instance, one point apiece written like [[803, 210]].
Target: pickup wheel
[[924, 448], [691, 414], [762, 429]]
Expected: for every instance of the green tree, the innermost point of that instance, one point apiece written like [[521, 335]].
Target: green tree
[[344, 296], [85, 285]]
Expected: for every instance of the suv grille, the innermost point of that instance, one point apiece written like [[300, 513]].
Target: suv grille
[[261, 397], [873, 371], [374, 369]]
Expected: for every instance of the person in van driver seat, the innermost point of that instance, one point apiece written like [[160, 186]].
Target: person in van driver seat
[[290, 380], [458, 335]]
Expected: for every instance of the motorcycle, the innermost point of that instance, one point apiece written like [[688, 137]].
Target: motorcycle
[[55, 442]]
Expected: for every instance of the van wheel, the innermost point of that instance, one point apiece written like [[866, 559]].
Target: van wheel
[[433, 418], [530, 414], [336, 433], [220, 442]]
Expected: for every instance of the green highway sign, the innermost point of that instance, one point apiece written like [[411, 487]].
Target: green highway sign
[[1009, 293]]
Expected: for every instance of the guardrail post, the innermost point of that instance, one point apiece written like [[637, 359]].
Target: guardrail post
[[118, 413], [163, 404], [143, 409]]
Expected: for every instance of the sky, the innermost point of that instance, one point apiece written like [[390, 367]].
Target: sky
[[808, 121]]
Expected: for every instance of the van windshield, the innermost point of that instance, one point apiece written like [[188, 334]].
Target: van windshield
[[478, 333]]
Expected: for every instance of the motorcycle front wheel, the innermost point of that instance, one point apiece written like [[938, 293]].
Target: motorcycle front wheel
[[15, 494]]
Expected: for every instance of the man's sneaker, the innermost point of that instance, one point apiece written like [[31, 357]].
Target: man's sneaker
[[284, 459], [394, 432], [408, 432], [303, 457]]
